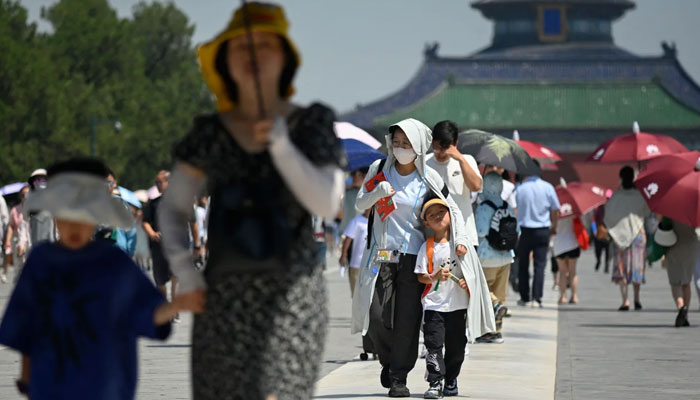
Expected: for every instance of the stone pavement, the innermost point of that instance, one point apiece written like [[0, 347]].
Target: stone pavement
[[524, 367], [609, 354], [602, 354]]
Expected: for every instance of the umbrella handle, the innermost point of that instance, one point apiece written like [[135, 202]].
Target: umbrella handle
[[253, 59]]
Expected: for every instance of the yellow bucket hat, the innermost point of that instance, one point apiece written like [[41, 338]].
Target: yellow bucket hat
[[264, 17]]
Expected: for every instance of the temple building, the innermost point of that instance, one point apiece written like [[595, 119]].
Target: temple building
[[554, 73]]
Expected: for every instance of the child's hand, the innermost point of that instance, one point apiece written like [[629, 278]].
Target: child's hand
[[444, 274], [194, 301], [463, 284], [461, 251]]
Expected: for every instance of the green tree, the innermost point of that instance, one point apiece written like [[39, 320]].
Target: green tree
[[95, 65]]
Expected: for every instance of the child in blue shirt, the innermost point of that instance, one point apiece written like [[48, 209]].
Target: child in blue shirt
[[80, 304]]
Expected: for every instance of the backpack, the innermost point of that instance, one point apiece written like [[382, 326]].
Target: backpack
[[503, 233]]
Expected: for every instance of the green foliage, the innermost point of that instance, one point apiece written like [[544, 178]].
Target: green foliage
[[96, 66]]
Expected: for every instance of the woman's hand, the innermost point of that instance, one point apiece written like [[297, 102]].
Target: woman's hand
[[384, 189], [155, 237], [261, 132], [461, 251]]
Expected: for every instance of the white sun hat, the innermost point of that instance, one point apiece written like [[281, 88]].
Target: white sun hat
[[80, 197]]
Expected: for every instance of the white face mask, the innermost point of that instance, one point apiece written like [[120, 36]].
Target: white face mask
[[404, 156]]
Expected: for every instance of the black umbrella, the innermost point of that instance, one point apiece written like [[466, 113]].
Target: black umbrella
[[497, 150]]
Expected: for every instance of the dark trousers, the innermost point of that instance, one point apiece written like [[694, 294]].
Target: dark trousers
[[448, 329], [600, 247], [535, 241], [395, 315]]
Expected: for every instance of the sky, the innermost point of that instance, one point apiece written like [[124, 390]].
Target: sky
[[358, 51]]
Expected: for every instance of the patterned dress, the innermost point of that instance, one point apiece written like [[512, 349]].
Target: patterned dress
[[262, 333], [630, 263]]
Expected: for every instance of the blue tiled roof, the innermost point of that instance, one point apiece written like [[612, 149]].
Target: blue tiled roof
[[570, 66]]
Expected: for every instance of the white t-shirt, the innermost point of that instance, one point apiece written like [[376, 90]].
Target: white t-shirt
[[201, 217], [508, 194], [357, 230], [319, 229], [565, 239], [449, 296], [405, 220], [452, 175]]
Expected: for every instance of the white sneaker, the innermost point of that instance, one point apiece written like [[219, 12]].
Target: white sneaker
[[3, 278]]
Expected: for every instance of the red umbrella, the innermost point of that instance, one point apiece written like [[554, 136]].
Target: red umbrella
[[578, 198], [671, 186], [537, 151], [637, 146]]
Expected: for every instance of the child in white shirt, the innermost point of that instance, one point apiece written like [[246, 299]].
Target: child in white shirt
[[445, 302], [355, 233]]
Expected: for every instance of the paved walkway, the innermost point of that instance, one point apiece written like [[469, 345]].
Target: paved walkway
[[608, 354], [524, 367], [602, 353]]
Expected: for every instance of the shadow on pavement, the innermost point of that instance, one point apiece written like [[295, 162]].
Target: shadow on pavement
[[364, 395], [625, 326], [569, 308]]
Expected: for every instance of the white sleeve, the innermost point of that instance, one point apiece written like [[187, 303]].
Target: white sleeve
[[421, 261], [351, 228], [318, 189], [472, 163], [460, 229], [367, 199]]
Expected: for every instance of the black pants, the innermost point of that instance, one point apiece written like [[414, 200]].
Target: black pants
[[395, 315], [161, 266], [534, 241], [448, 329], [600, 247]]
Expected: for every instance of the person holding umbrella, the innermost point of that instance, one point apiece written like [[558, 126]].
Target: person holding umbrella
[[566, 251], [625, 213], [680, 261], [459, 171], [268, 166]]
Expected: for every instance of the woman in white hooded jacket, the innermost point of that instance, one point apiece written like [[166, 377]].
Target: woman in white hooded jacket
[[386, 302]]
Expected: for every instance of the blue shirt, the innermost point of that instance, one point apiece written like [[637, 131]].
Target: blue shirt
[[404, 226], [77, 315], [535, 198]]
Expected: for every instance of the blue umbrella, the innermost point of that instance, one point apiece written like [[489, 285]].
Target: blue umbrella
[[12, 188], [129, 197], [359, 154]]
